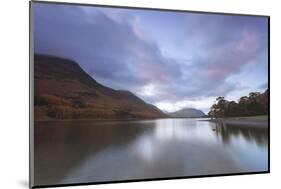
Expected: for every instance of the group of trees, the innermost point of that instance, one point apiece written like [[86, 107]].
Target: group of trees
[[254, 104]]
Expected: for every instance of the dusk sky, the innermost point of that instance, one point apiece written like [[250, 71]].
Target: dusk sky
[[170, 59]]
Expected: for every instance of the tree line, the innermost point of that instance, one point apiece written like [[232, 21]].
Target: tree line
[[254, 104]]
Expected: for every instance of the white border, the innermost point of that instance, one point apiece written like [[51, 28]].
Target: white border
[[14, 85]]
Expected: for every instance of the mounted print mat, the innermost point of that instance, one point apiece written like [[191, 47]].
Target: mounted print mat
[[123, 94]]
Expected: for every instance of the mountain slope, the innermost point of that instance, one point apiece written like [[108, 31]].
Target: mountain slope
[[63, 90], [188, 113]]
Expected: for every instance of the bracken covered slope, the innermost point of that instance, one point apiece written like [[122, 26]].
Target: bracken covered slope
[[63, 90]]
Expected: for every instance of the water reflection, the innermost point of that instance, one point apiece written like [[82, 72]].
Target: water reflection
[[62, 146], [88, 151], [183, 130], [226, 132]]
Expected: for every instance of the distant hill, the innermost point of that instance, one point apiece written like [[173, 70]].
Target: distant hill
[[188, 113], [63, 90]]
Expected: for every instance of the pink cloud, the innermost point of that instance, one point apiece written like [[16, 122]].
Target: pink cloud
[[137, 28], [249, 43], [228, 61], [216, 73], [153, 73]]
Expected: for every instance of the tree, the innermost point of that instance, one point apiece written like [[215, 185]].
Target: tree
[[254, 104]]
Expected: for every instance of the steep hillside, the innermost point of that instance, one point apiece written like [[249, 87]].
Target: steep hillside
[[63, 90]]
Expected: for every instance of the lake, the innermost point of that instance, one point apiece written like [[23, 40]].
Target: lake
[[94, 151]]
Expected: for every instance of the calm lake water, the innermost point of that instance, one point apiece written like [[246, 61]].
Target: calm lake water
[[93, 151]]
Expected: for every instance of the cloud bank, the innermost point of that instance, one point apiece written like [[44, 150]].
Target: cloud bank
[[115, 47]]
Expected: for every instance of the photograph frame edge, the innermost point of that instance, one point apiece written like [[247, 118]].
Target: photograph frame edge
[[31, 95]]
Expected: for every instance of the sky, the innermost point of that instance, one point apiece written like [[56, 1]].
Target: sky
[[172, 60]]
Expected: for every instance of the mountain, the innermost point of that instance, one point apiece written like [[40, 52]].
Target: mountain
[[188, 113], [63, 90]]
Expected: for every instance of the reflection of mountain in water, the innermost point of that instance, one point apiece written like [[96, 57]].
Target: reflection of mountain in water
[[61, 146], [94, 151], [225, 132]]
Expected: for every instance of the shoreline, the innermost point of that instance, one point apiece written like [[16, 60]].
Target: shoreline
[[91, 119], [236, 121], [123, 119], [245, 122]]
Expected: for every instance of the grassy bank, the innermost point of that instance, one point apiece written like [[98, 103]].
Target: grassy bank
[[251, 121], [259, 117]]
